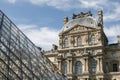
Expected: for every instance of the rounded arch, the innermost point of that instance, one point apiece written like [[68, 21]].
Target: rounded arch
[[78, 67]]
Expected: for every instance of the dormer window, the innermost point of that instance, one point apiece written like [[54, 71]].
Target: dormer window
[[79, 41], [65, 43]]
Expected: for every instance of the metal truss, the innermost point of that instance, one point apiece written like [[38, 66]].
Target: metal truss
[[20, 59]]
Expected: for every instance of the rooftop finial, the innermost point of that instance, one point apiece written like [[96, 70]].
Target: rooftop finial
[[65, 20], [100, 18]]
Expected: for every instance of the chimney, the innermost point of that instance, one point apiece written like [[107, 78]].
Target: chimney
[[118, 37], [54, 47], [100, 18], [65, 20]]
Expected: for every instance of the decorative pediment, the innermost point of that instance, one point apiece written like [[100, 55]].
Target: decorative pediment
[[78, 28]]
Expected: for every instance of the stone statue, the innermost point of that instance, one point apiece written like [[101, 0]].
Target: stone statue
[[81, 15]]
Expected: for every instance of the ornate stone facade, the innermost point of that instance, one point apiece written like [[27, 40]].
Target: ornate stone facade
[[83, 52]]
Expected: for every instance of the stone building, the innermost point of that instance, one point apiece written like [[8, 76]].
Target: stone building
[[83, 52]]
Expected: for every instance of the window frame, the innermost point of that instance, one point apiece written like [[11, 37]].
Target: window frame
[[78, 67], [79, 41], [66, 43], [93, 66], [92, 39], [115, 67], [65, 68]]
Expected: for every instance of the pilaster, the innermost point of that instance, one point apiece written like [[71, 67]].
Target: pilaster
[[59, 65], [86, 64], [69, 61], [100, 65]]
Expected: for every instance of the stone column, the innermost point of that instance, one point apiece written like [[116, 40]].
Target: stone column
[[75, 43], [70, 38], [86, 66], [98, 65], [69, 67], [60, 42], [59, 65], [101, 64], [70, 61]]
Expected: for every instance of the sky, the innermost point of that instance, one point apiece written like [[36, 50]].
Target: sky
[[42, 20]]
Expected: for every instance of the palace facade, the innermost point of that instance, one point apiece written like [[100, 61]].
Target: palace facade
[[83, 52]]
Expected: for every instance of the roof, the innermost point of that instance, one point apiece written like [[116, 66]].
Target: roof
[[85, 21]]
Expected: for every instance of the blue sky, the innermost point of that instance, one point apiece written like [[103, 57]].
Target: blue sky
[[42, 20]]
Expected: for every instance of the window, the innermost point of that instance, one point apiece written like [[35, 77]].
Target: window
[[65, 68], [92, 39], [113, 54], [78, 67], [66, 43], [79, 41], [65, 55], [93, 52], [115, 69], [93, 67], [86, 79], [107, 67]]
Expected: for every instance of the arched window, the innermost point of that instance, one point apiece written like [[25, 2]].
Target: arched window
[[92, 39], [79, 41], [65, 68], [78, 67], [66, 43], [94, 67]]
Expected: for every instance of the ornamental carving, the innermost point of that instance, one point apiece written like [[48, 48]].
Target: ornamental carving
[[81, 15]]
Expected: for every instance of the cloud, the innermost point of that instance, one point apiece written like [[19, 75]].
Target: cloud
[[112, 14], [12, 1], [71, 4], [43, 37], [92, 3], [59, 4], [112, 33], [111, 8]]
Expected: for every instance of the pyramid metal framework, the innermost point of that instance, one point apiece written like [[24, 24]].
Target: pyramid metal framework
[[20, 59]]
